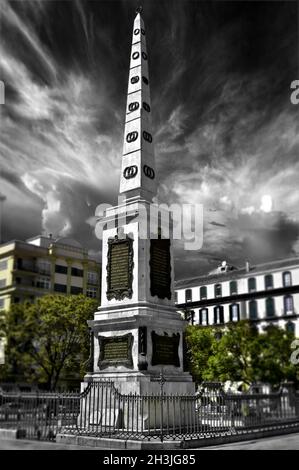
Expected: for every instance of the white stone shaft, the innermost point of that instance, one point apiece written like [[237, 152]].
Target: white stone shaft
[[138, 174]]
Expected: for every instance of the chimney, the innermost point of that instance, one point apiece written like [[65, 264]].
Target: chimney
[[247, 266]]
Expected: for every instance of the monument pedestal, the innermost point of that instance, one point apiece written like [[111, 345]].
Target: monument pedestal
[[138, 364], [133, 345]]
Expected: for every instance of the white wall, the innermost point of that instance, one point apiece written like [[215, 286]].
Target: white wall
[[242, 284]]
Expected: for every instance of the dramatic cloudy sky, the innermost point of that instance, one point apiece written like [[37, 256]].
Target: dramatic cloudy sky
[[226, 134]]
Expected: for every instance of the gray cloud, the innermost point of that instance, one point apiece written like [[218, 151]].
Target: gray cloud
[[225, 132]]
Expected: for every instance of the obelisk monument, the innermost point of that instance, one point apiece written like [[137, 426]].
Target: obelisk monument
[[137, 331]]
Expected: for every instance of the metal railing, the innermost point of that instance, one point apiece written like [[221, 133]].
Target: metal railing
[[102, 411], [38, 415]]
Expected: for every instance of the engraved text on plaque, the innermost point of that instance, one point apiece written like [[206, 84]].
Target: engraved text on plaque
[[165, 349], [160, 268], [119, 268], [115, 351]]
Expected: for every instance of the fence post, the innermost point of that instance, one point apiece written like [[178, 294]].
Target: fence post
[[162, 382], [288, 395]]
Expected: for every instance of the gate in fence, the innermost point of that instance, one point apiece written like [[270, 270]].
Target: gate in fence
[[102, 411]]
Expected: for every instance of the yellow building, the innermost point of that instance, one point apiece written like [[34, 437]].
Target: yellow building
[[43, 265]]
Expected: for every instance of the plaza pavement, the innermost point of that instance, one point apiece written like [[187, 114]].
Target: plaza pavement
[[285, 442]]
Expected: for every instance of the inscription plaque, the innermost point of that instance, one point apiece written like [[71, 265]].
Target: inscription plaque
[[165, 349], [119, 268], [115, 351], [160, 268]]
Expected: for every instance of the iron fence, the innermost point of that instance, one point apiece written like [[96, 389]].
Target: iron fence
[[38, 415], [102, 411]]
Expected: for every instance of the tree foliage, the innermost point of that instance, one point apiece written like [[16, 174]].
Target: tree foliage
[[237, 352], [47, 340]]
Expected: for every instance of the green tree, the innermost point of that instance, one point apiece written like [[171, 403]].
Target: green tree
[[234, 353], [237, 352], [17, 364], [47, 340], [201, 343], [273, 363]]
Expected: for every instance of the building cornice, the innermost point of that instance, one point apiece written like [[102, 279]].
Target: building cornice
[[240, 297], [261, 269]]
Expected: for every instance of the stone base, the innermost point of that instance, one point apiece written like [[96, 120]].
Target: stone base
[[155, 322], [103, 443], [136, 402], [145, 383]]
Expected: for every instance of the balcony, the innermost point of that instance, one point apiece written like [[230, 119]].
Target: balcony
[[32, 268], [28, 267]]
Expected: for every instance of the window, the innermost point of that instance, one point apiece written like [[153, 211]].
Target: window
[[43, 283], [2, 283], [144, 56], [60, 269], [135, 55], [43, 266], [252, 310], [203, 316], [251, 284], [60, 288], [16, 300], [270, 307], [218, 314], [269, 281], [218, 290], [175, 297], [191, 317], [3, 264], [77, 272], [146, 106], [92, 277], [188, 295], [233, 287], [145, 80], [1, 303], [26, 264], [288, 304], [287, 279], [234, 312], [203, 292], [290, 327], [76, 290], [91, 292], [19, 263]]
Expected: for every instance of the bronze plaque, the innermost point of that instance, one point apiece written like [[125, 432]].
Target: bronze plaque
[[165, 349], [119, 268], [116, 351], [160, 268]]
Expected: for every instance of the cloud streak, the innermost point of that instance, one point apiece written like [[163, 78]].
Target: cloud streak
[[225, 132]]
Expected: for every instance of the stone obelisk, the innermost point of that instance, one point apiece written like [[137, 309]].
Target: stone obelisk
[[137, 330]]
